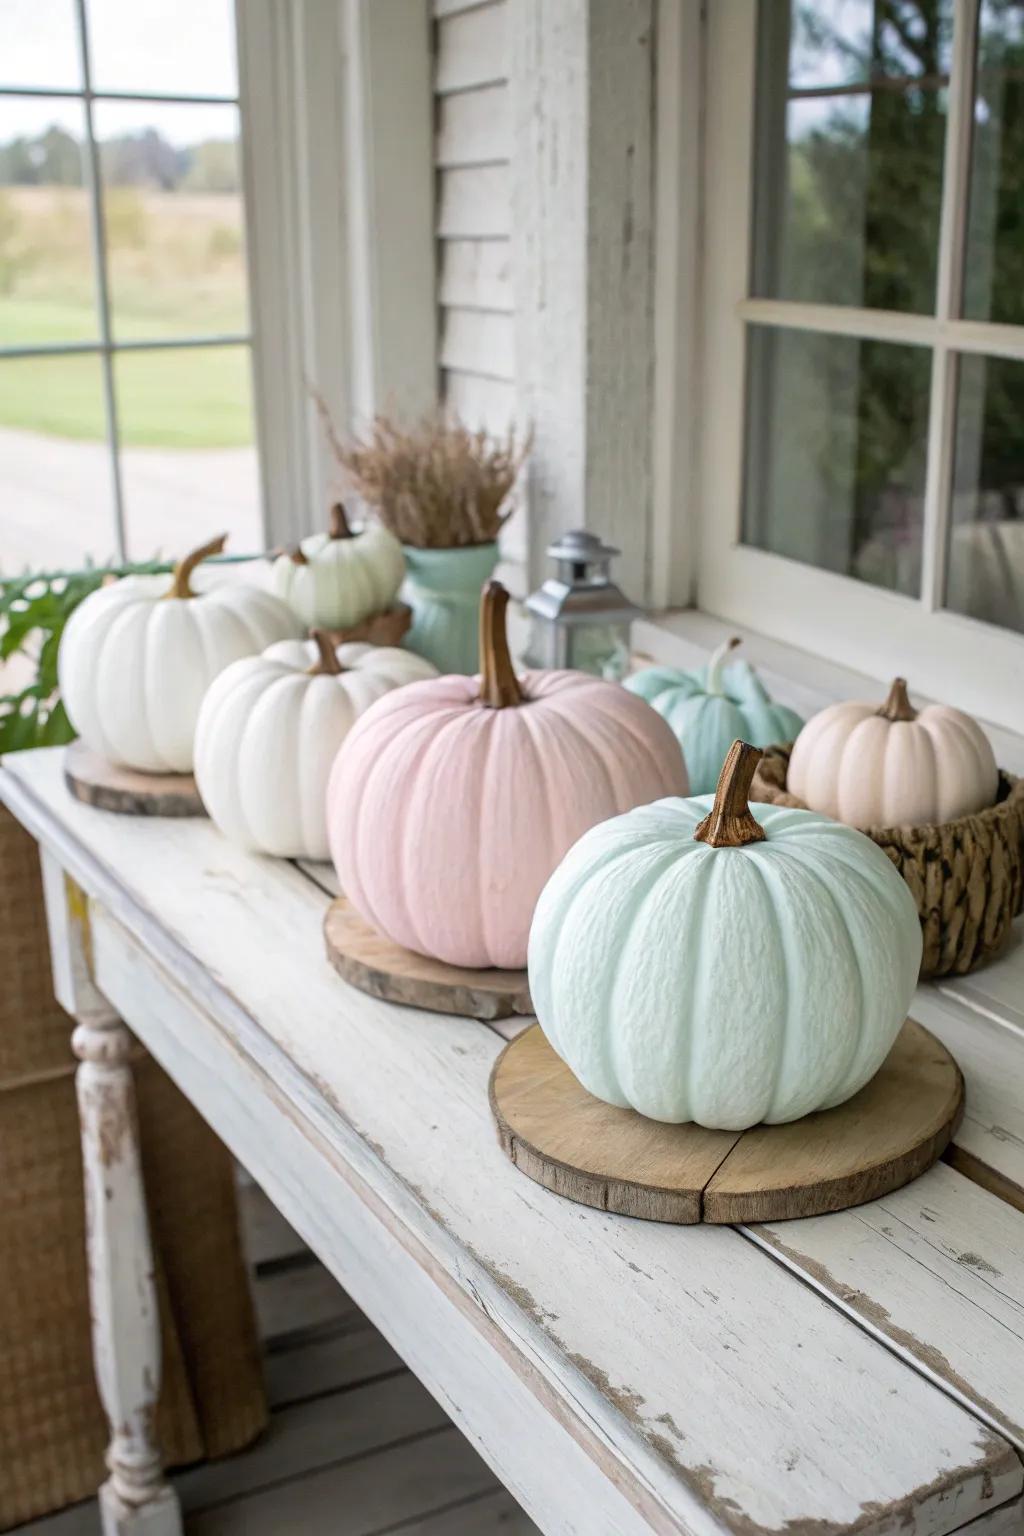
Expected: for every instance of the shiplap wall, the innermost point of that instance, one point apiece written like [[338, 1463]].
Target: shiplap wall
[[474, 215]]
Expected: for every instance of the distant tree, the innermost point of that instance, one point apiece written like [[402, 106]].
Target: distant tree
[[142, 159], [213, 167], [52, 159]]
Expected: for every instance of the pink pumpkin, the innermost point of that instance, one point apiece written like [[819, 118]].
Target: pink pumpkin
[[453, 800]]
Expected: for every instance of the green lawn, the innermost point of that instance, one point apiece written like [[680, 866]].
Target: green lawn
[[195, 398]]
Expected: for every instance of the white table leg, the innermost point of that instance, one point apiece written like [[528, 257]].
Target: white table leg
[[136, 1500]]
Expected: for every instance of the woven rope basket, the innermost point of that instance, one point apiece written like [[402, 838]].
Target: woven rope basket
[[967, 876]]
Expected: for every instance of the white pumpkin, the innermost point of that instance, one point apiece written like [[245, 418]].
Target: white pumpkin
[[334, 580], [893, 766], [751, 964], [270, 729], [137, 656]]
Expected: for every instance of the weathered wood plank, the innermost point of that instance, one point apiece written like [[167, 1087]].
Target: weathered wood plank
[[691, 1401], [490, 405], [476, 274], [474, 203], [474, 341], [997, 990], [937, 1270], [474, 127], [370, 1495], [472, 48], [327, 1362], [989, 1146], [301, 1295], [310, 1436], [496, 1514]]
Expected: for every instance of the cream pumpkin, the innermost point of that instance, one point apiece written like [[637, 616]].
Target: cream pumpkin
[[705, 960], [452, 801], [270, 728], [336, 579], [893, 766], [137, 657]]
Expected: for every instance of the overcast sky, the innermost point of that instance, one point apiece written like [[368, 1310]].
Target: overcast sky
[[169, 46]]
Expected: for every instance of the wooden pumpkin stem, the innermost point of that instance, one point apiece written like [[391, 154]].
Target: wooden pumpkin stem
[[898, 706], [730, 823], [338, 524], [327, 663], [716, 662], [181, 585], [498, 686], [297, 556]]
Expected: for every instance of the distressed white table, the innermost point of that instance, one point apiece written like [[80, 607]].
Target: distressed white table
[[860, 1372]]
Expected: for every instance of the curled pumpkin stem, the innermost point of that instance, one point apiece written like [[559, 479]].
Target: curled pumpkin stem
[[499, 688], [730, 823], [717, 661], [898, 706], [338, 526], [181, 583], [327, 663]]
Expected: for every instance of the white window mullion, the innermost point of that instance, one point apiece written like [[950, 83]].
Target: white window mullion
[[99, 253], [948, 300]]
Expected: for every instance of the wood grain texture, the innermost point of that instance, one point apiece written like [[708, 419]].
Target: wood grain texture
[[109, 787], [889, 1133], [618, 1375], [935, 1270], [385, 970]]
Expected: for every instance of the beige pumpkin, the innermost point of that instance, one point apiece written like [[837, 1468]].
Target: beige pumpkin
[[893, 766]]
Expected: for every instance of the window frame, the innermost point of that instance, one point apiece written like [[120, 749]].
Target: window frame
[[106, 347], [962, 660], [336, 122]]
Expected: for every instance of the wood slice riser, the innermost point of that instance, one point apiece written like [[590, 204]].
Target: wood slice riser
[[126, 792], [377, 966], [572, 1144]]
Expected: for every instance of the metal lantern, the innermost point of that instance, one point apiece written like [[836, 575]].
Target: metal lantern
[[579, 617]]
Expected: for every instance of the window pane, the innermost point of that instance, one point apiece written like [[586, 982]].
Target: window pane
[[188, 464], [994, 264], [175, 228], [47, 287], [170, 47], [39, 45], [985, 575], [848, 184], [835, 464], [57, 503], [849, 42]]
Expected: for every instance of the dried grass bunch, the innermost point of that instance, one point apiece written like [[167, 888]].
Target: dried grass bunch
[[435, 485]]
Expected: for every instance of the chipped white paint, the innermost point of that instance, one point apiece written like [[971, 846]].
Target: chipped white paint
[[583, 89], [725, 1395], [135, 1500]]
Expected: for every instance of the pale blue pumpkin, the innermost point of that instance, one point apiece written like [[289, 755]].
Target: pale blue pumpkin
[[726, 985], [708, 709]]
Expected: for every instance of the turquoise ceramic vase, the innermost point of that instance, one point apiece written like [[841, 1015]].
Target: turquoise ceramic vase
[[442, 587]]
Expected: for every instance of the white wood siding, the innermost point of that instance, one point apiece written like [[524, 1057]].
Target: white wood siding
[[473, 147]]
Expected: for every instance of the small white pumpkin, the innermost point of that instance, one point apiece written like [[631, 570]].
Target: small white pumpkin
[[336, 579], [721, 963], [893, 766], [270, 729], [137, 656]]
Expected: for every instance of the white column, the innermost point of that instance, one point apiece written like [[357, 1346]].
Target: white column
[[136, 1499], [582, 78]]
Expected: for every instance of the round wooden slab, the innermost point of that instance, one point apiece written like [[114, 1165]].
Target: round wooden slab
[[887, 1134], [375, 965], [93, 780]]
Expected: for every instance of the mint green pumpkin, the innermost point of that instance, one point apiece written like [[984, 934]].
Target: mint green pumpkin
[[708, 709], [752, 964]]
